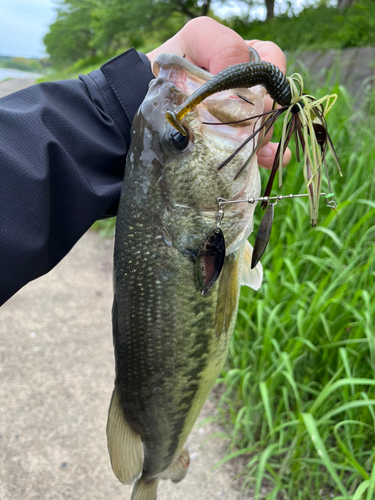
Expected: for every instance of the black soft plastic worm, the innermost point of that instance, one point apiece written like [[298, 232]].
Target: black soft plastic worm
[[237, 76]]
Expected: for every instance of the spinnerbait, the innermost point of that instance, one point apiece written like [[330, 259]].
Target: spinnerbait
[[264, 231], [305, 118]]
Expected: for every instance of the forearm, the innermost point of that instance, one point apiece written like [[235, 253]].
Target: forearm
[[62, 157]]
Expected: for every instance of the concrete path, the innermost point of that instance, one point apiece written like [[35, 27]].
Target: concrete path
[[56, 380], [353, 68], [10, 86]]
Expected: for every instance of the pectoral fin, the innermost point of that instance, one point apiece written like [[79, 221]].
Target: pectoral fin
[[124, 445], [227, 301], [251, 277]]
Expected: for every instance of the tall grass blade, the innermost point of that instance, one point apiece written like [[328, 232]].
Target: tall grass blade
[[266, 403], [262, 464], [371, 485], [321, 450]]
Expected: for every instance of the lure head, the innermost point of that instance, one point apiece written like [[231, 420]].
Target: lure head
[[184, 163], [172, 119]]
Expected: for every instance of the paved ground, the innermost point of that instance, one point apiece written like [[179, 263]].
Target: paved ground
[[10, 86], [56, 379]]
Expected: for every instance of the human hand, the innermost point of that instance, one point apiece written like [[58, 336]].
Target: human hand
[[212, 46]]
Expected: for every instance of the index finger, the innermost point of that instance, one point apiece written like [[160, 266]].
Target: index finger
[[207, 44], [213, 46], [269, 52]]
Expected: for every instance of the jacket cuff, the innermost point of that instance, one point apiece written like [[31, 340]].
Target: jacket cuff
[[124, 80], [128, 76]]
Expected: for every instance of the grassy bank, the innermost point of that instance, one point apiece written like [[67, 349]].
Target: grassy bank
[[84, 66], [24, 64], [300, 388]]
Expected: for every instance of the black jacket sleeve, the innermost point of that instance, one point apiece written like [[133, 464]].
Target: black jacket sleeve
[[62, 157]]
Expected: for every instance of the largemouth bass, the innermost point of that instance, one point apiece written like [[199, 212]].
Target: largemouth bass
[[171, 340]]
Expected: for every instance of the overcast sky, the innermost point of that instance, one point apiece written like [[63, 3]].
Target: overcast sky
[[23, 23]]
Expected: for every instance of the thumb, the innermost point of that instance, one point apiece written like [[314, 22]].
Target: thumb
[[213, 46], [207, 44]]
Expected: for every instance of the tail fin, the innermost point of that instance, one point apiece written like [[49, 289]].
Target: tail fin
[[145, 489], [124, 445], [177, 471]]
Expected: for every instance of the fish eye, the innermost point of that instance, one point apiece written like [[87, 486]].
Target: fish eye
[[177, 140]]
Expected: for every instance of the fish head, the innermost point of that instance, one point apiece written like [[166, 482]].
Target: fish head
[[187, 167]]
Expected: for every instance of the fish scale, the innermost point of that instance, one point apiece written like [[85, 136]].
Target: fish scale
[[149, 371]]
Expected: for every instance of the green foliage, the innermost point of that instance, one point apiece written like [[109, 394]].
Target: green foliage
[[86, 65], [315, 28], [82, 66], [119, 22], [105, 227], [300, 388], [96, 28], [69, 37], [87, 29]]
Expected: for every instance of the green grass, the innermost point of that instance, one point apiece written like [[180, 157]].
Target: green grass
[[300, 389], [83, 66], [105, 227], [24, 64]]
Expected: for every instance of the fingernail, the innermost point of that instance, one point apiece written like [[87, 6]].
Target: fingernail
[[266, 152]]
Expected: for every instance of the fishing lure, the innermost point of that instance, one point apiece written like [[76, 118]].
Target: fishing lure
[[211, 255], [265, 227], [233, 77], [305, 118]]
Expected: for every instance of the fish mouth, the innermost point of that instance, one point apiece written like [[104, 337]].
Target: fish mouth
[[188, 78], [189, 180], [177, 64]]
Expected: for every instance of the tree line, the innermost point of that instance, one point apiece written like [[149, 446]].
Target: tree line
[[87, 29], [90, 28]]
